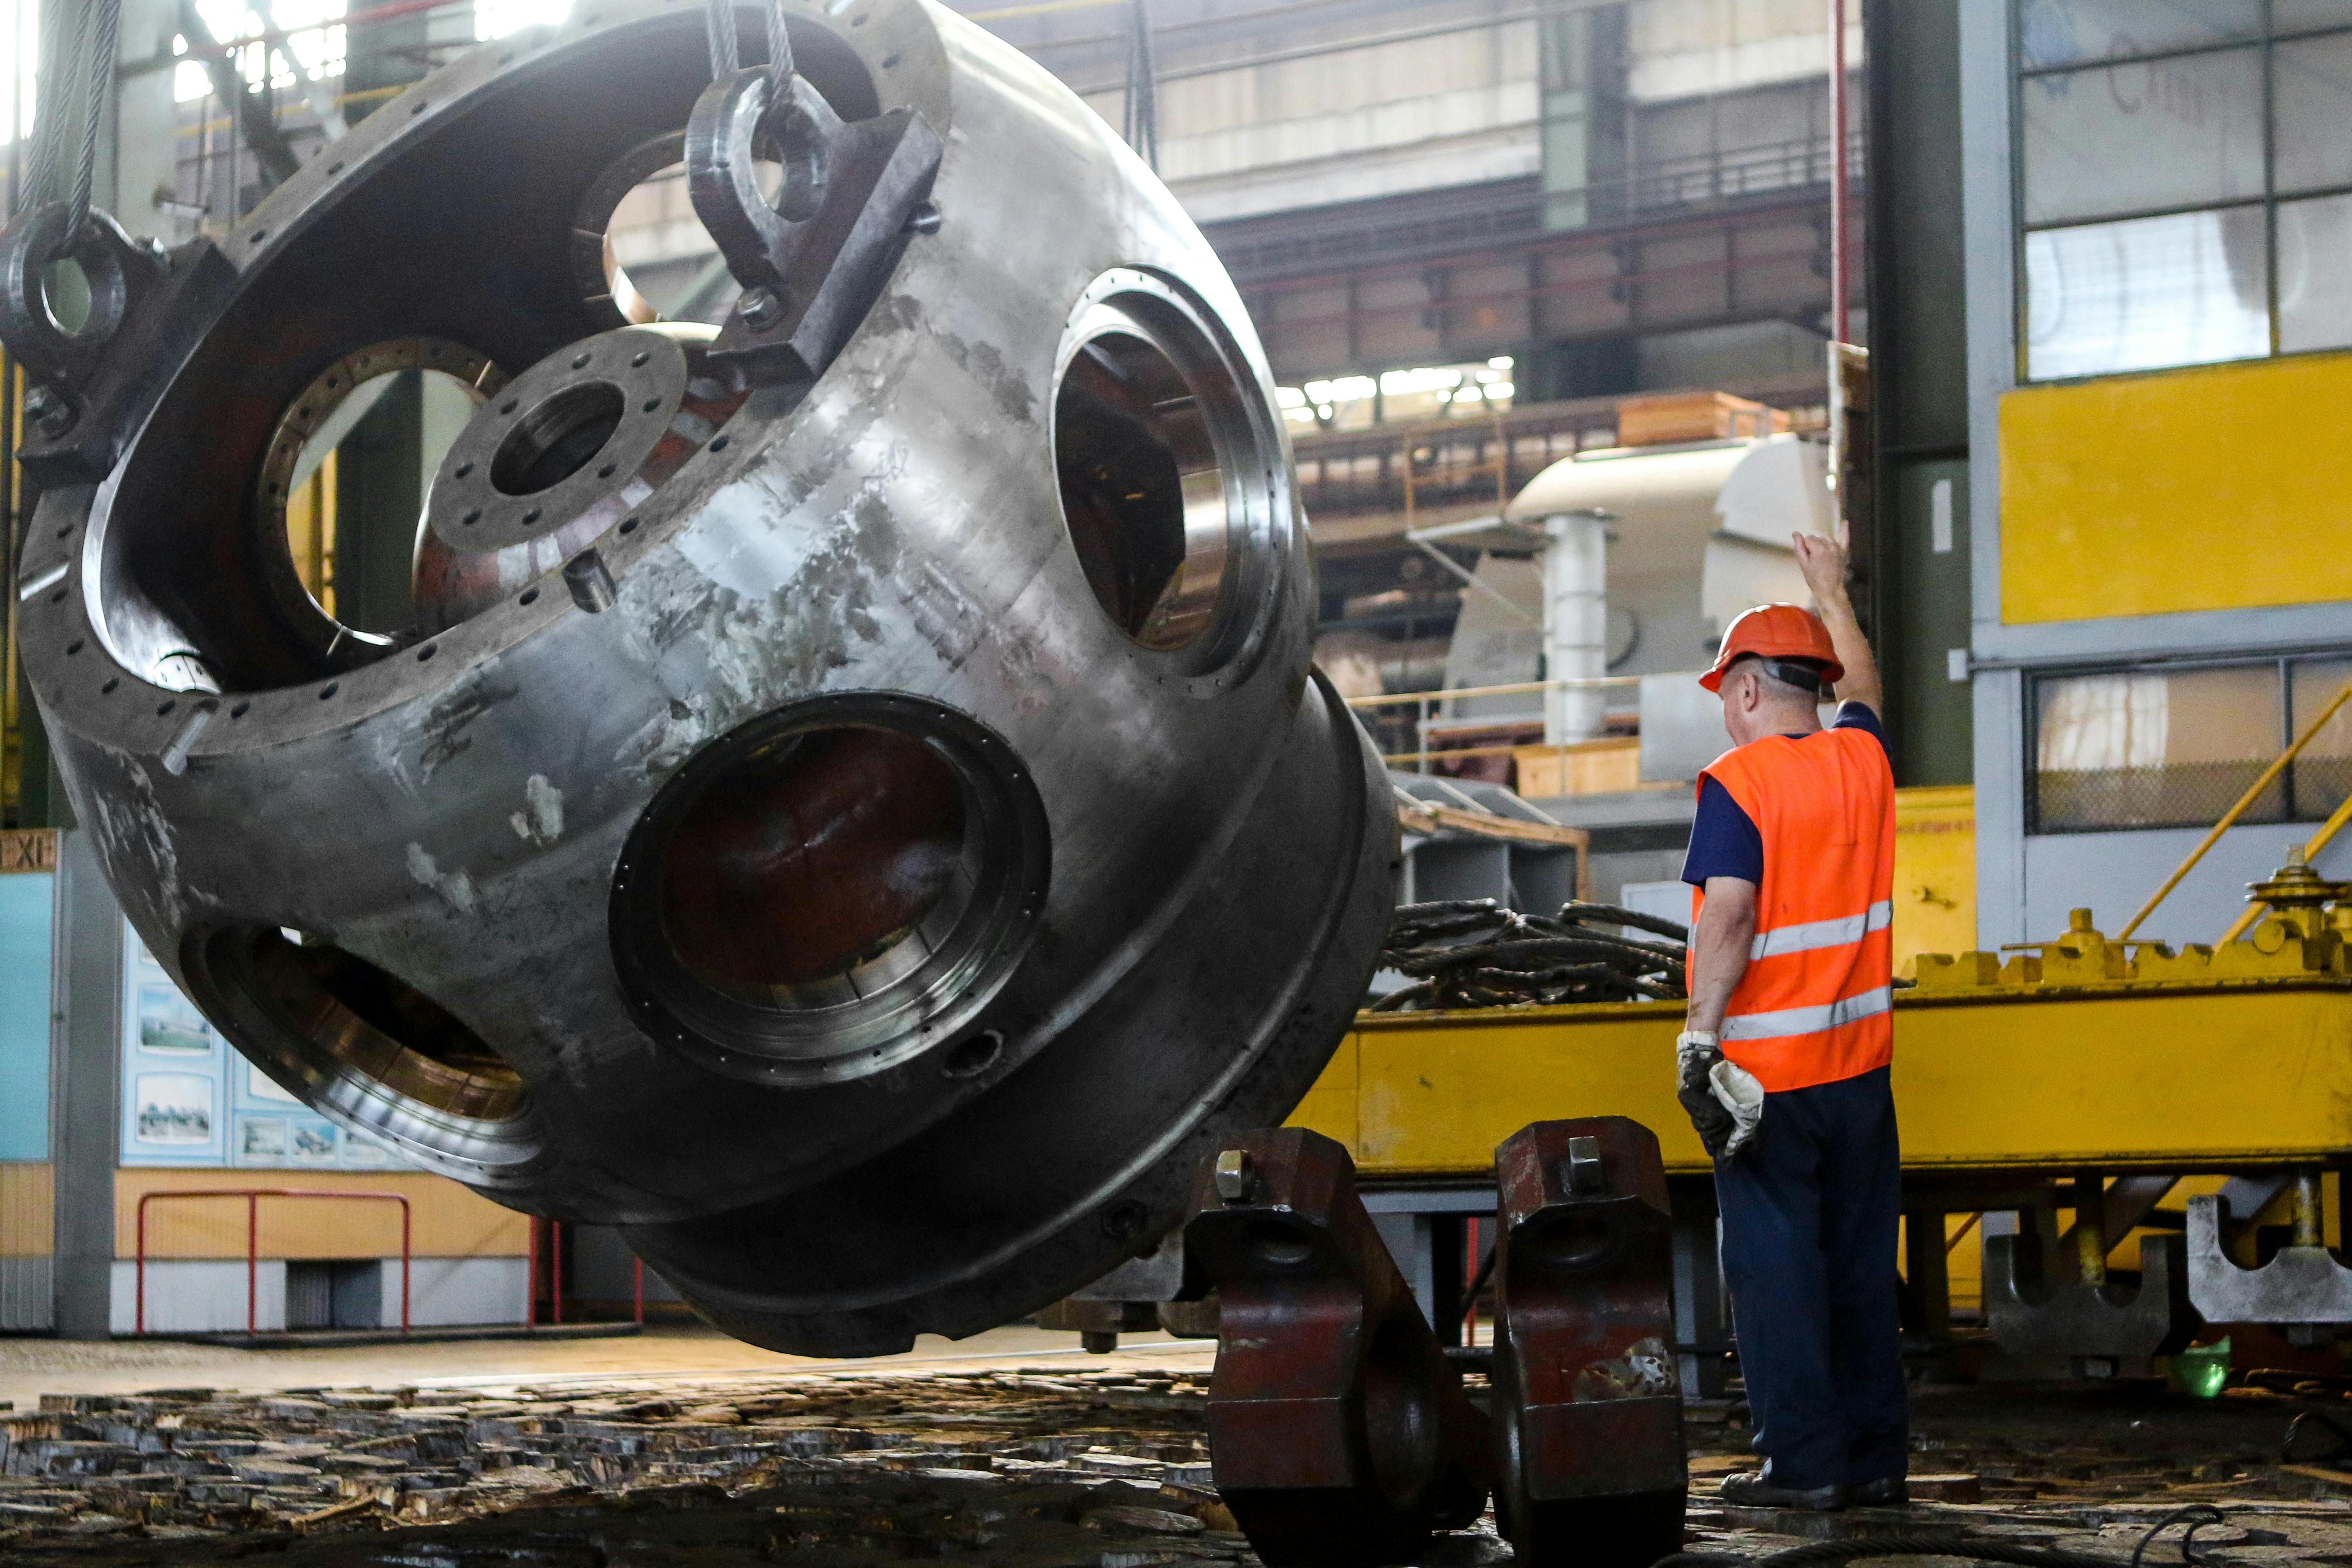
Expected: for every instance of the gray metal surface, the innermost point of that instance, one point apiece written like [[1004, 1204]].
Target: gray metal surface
[[2298, 1285], [1123, 873], [2071, 1328]]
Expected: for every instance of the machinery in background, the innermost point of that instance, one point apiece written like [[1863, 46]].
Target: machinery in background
[[814, 755]]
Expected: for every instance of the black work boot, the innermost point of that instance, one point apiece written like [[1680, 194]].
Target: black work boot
[[1756, 1488], [1886, 1491]]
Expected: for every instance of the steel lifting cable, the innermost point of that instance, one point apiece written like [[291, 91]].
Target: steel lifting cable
[[1831, 1553], [93, 54], [100, 62], [726, 55], [726, 51]]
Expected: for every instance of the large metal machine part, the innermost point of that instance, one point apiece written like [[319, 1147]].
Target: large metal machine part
[[1590, 1469], [853, 805], [1339, 1431]]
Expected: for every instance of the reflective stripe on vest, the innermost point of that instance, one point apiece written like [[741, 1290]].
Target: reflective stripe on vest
[[1808, 1020], [1813, 1003], [1822, 933]]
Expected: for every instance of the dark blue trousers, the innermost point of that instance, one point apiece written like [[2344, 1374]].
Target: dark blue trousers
[[1809, 1210]]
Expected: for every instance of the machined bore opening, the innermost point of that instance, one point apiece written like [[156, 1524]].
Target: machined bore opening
[[830, 888], [550, 442], [373, 1023], [814, 861], [1143, 488], [345, 478], [67, 298]]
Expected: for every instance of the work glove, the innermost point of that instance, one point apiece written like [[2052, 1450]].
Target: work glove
[[1722, 1099]]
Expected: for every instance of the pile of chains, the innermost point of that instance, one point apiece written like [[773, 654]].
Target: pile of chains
[[1475, 952]]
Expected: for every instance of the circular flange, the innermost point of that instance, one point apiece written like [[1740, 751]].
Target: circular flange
[[746, 807], [1155, 403], [554, 441]]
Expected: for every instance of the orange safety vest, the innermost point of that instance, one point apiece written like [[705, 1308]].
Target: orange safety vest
[[1814, 1004]]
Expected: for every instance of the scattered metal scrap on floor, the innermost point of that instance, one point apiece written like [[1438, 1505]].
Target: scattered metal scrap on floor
[[1057, 1467], [192, 1463], [1475, 952]]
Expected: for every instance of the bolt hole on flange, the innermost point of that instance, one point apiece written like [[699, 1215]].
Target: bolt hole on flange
[[970, 1058], [831, 889]]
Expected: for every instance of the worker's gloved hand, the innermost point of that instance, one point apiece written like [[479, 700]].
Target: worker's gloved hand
[[1742, 1099], [1697, 1055], [1722, 1099]]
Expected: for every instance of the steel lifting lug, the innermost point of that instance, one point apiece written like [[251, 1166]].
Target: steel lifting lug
[[1590, 1469], [813, 258], [1339, 1431], [93, 378]]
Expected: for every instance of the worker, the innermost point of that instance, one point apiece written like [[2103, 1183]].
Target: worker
[[1784, 1057]]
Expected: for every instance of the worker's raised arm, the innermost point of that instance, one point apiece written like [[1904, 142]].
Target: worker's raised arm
[[1822, 561]]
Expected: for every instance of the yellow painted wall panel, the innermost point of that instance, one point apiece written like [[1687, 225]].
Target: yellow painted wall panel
[[2223, 487], [449, 1220], [28, 1209], [1934, 871]]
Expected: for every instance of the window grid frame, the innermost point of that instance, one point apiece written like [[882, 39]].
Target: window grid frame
[[2020, 303], [2283, 666]]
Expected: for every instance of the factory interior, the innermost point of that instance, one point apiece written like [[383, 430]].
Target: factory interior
[[837, 780]]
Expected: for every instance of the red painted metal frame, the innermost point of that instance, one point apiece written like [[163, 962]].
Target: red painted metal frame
[[1590, 1467], [253, 1196], [1339, 1431]]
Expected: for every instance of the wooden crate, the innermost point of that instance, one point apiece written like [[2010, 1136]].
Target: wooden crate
[[1669, 416], [1587, 767]]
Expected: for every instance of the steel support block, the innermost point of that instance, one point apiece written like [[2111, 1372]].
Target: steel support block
[[1590, 1469], [2073, 1328], [1337, 1429], [2300, 1285]]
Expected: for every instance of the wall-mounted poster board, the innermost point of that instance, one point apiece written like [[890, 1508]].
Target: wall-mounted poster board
[[189, 1099]]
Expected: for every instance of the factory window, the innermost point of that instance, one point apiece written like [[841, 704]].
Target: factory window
[[284, 46], [2175, 748], [2184, 184]]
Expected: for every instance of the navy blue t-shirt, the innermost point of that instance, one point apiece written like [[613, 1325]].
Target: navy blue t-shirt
[[1724, 841]]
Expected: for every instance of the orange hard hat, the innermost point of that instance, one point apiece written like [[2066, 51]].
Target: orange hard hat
[[1776, 631]]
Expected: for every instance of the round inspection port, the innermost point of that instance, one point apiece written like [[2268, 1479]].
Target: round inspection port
[[363, 425], [556, 439], [832, 889], [361, 1040], [1142, 490], [1166, 460], [817, 860]]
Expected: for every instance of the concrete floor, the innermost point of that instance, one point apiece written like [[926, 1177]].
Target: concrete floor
[[31, 1367]]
